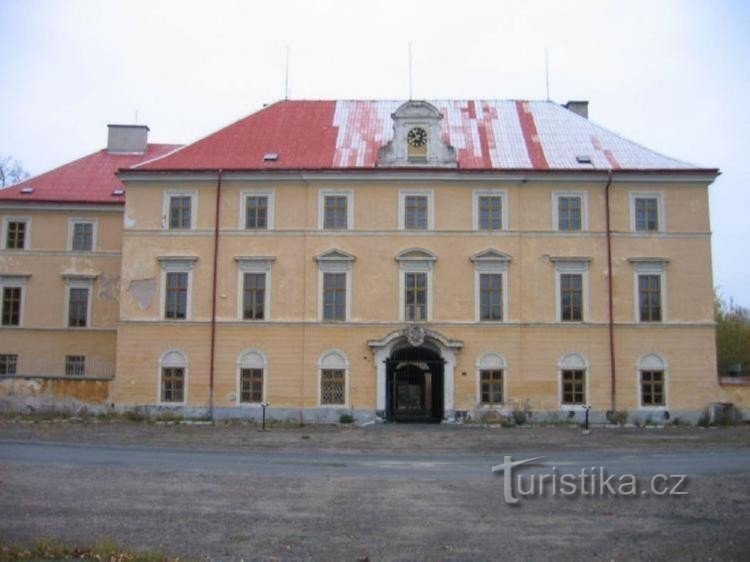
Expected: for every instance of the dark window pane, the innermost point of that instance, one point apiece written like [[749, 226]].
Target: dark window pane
[[172, 384], [176, 297], [415, 212], [334, 296], [16, 235], [571, 297], [490, 212], [8, 364], [83, 236], [256, 212], [652, 388], [335, 212], [415, 296], [332, 386], [491, 386], [573, 387], [649, 298], [490, 298], [569, 213], [78, 307], [11, 306], [254, 296], [646, 214], [251, 385], [179, 211], [75, 365]]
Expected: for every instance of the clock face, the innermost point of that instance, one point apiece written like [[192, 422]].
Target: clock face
[[417, 137]]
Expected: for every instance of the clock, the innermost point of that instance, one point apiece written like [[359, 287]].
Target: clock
[[417, 137]]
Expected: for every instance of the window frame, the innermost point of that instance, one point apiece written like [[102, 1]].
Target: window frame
[[270, 194], [334, 261], [660, 211], [649, 266], [492, 361], [94, 234], [583, 196], [173, 358], [69, 361], [574, 362], [349, 194], [574, 266], [333, 359], [490, 262], [13, 281], [430, 195], [26, 237], [6, 360], [251, 359], [652, 362], [479, 193], [253, 264], [168, 194], [78, 282], [415, 260], [176, 264]]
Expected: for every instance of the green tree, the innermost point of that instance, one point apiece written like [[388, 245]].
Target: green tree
[[732, 336]]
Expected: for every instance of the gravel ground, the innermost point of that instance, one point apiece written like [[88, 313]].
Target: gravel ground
[[228, 516]]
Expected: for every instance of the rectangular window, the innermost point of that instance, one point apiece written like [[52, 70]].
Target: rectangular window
[[256, 212], [175, 303], [173, 384], [646, 213], [15, 238], [251, 385], [416, 212], [78, 305], [652, 388], [11, 306], [574, 387], [491, 296], [335, 212], [254, 296], [8, 364], [332, 386], [334, 296], [492, 386], [180, 211], [569, 213], [75, 365], [490, 212], [571, 297], [649, 298], [415, 297], [83, 237]]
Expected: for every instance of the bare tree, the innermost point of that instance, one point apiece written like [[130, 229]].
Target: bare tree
[[11, 171]]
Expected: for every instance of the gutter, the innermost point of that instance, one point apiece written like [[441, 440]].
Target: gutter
[[213, 297], [611, 320]]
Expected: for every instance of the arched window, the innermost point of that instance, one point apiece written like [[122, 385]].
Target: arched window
[[573, 383], [332, 370], [652, 381], [491, 375], [173, 377], [251, 377]]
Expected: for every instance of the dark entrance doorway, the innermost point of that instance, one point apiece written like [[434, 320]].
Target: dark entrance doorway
[[414, 385]]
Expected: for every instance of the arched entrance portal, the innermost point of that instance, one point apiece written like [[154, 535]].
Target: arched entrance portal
[[414, 385]]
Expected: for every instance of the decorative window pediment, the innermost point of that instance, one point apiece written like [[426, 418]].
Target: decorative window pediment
[[416, 254], [335, 255], [490, 258]]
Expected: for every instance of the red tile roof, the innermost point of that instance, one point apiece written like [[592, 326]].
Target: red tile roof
[[347, 134], [90, 179]]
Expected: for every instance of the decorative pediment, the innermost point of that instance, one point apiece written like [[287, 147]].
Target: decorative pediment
[[426, 334], [490, 255], [415, 254], [417, 140], [335, 255]]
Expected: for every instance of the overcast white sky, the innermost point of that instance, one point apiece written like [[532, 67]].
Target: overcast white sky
[[672, 75]]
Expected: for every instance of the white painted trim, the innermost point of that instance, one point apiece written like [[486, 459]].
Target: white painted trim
[[585, 366], [652, 267], [78, 283], [27, 233], [499, 364], [193, 194], [499, 267], [349, 194], [248, 264], [344, 365], [660, 212], [583, 196], [183, 365], [641, 366], [573, 266], [503, 194], [176, 266], [403, 194], [247, 365], [402, 291], [270, 208], [94, 234], [13, 281]]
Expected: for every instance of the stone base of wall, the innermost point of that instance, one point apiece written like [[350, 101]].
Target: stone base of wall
[[43, 394]]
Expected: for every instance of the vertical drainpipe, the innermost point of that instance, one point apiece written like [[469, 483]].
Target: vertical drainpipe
[[213, 297], [613, 370]]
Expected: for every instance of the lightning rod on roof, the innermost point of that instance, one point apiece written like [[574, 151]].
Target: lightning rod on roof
[[410, 74], [546, 70], [286, 75]]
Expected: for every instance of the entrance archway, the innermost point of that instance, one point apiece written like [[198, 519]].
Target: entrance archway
[[414, 385]]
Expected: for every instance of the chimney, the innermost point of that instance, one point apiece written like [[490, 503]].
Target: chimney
[[578, 107], [127, 139]]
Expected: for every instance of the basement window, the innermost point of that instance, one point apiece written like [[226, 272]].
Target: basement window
[[8, 364], [75, 365]]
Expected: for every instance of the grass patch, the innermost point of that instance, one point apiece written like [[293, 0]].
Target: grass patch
[[103, 551]]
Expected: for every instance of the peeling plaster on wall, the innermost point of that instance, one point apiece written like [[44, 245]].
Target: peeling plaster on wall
[[109, 287], [143, 291], [129, 221], [73, 397]]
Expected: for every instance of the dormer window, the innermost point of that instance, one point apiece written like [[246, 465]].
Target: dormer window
[[416, 141]]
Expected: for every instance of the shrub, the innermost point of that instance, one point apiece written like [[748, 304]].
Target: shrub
[[346, 418]]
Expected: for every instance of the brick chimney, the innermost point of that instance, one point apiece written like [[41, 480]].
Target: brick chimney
[[579, 107], [127, 139]]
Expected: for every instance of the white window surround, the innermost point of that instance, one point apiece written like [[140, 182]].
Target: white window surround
[[254, 264], [652, 362], [415, 260], [94, 233], [649, 266], [334, 359], [177, 359], [27, 232], [251, 359], [490, 261], [573, 265], [491, 361], [78, 282], [403, 194], [503, 194], [660, 214], [349, 194], [193, 194], [270, 209], [176, 264], [15, 280], [573, 362], [335, 261], [583, 196]]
